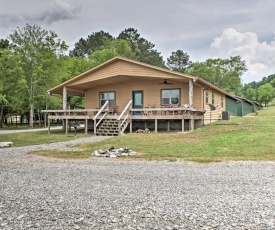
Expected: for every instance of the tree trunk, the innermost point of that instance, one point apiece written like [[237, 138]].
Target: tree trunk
[[1, 114], [45, 117], [31, 115]]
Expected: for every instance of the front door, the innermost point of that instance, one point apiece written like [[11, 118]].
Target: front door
[[137, 101]]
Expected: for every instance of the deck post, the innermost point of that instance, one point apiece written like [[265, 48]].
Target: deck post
[[64, 98], [192, 124], [168, 125], [119, 127], [131, 126], [190, 93], [95, 127], [66, 123], [145, 124], [86, 126], [182, 125], [156, 125]]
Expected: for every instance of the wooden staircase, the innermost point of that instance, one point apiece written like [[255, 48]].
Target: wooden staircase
[[111, 127]]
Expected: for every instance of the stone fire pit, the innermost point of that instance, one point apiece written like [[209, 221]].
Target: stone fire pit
[[112, 152]]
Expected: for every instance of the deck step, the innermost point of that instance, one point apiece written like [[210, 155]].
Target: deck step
[[110, 127]]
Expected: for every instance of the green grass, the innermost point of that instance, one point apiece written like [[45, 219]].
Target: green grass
[[241, 138], [40, 137], [23, 126]]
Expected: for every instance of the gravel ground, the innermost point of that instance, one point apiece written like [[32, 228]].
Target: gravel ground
[[43, 193]]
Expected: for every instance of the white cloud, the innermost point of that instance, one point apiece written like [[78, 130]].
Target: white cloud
[[259, 56]]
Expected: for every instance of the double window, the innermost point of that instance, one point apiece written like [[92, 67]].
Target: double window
[[107, 96], [170, 96]]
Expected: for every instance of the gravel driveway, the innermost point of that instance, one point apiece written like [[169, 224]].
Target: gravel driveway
[[43, 193]]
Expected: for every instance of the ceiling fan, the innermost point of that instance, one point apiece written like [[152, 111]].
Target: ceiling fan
[[165, 82]]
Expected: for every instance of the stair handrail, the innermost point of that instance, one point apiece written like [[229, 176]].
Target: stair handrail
[[101, 109], [122, 123], [124, 110], [100, 119]]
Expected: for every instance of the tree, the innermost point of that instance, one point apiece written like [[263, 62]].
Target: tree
[[8, 78], [95, 41], [223, 73], [143, 50], [265, 93], [39, 51], [249, 92], [118, 47], [178, 61]]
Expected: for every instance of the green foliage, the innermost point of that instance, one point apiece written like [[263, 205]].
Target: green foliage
[[251, 93], [266, 93], [113, 48], [4, 44], [269, 79], [39, 51], [178, 61], [9, 72], [95, 41], [223, 73], [143, 49]]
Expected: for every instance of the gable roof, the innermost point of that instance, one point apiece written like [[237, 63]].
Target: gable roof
[[115, 67]]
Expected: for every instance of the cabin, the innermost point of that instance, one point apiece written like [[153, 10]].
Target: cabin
[[123, 95], [246, 106]]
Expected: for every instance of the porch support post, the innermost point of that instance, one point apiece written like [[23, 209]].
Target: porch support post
[[190, 93], [145, 124], [95, 127], [66, 126], [168, 125], [119, 128], [156, 125], [182, 125], [86, 126], [192, 124], [63, 125], [131, 126], [64, 98]]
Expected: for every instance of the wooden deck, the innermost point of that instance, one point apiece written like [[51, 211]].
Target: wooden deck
[[132, 115]]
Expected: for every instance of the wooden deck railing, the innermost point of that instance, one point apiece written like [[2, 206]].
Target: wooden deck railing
[[146, 112], [168, 111]]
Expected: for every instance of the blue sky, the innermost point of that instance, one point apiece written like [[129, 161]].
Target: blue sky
[[202, 28]]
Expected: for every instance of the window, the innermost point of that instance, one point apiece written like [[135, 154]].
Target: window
[[110, 96], [222, 102], [170, 96], [206, 97], [213, 98]]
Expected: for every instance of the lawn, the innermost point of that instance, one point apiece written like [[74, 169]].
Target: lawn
[[39, 137], [241, 138]]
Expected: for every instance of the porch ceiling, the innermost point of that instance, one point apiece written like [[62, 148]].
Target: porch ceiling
[[84, 86]]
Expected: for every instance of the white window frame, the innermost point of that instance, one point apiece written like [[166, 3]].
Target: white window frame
[[107, 97], [170, 96]]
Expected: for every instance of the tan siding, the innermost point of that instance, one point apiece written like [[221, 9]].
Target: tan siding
[[197, 97], [216, 114], [108, 71], [151, 92], [132, 69]]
